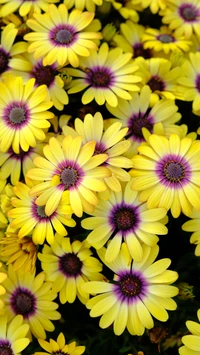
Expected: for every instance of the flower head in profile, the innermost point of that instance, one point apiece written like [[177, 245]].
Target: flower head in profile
[[60, 35], [137, 292], [109, 141], [165, 40], [166, 172], [69, 265], [191, 341], [21, 253], [137, 114], [193, 225], [13, 335], [31, 296], [183, 16], [130, 39], [106, 75], [124, 218], [160, 76], [68, 169], [60, 347], [24, 115], [27, 218]]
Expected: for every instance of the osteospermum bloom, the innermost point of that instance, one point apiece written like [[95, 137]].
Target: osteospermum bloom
[[90, 5], [60, 347], [154, 5], [8, 49], [23, 112], [29, 218], [124, 218], [137, 114], [190, 80], [165, 40], [68, 168], [183, 16], [60, 36], [160, 76], [21, 253], [13, 335], [69, 265], [193, 225], [31, 296], [191, 341], [109, 141], [167, 173], [25, 7], [137, 292], [130, 39], [107, 75]]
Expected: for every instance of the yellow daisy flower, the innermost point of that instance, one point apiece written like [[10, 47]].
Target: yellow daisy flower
[[25, 7], [90, 5], [191, 341], [13, 335], [31, 296], [130, 39], [69, 266], [154, 5], [24, 115], [165, 40], [127, 9], [59, 347], [183, 16], [190, 80], [137, 292], [124, 218], [29, 218], [60, 36], [69, 168], [194, 226], [160, 76], [137, 114], [109, 141], [21, 253], [166, 171], [27, 67], [8, 49], [111, 78]]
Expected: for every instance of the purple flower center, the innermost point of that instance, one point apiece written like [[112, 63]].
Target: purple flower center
[[188, 12], [63, 35], [44, 74], [99, 77], [136, 123], [174, 170], [124, 217], [156, 83], [99, 148], [5, 348], [4, 59], [23, 302], [139, 51], [165, 38], [198, 82], [69, 176], [130, 285], [41, 211], [16, 114], [70, 265]]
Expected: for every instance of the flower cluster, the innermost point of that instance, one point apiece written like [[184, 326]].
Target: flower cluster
[[99, 177]]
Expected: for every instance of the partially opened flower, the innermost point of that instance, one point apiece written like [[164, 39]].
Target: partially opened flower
[[183, 16], [106, 75], [166, 172], [27, 218], [60, 35], [191, 341], [68, 169], [138, 293], [124, 218], [60, 347], [109, 141], [13, 335], [154, 5], [24, 115], [137, 114], [31, 296]]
